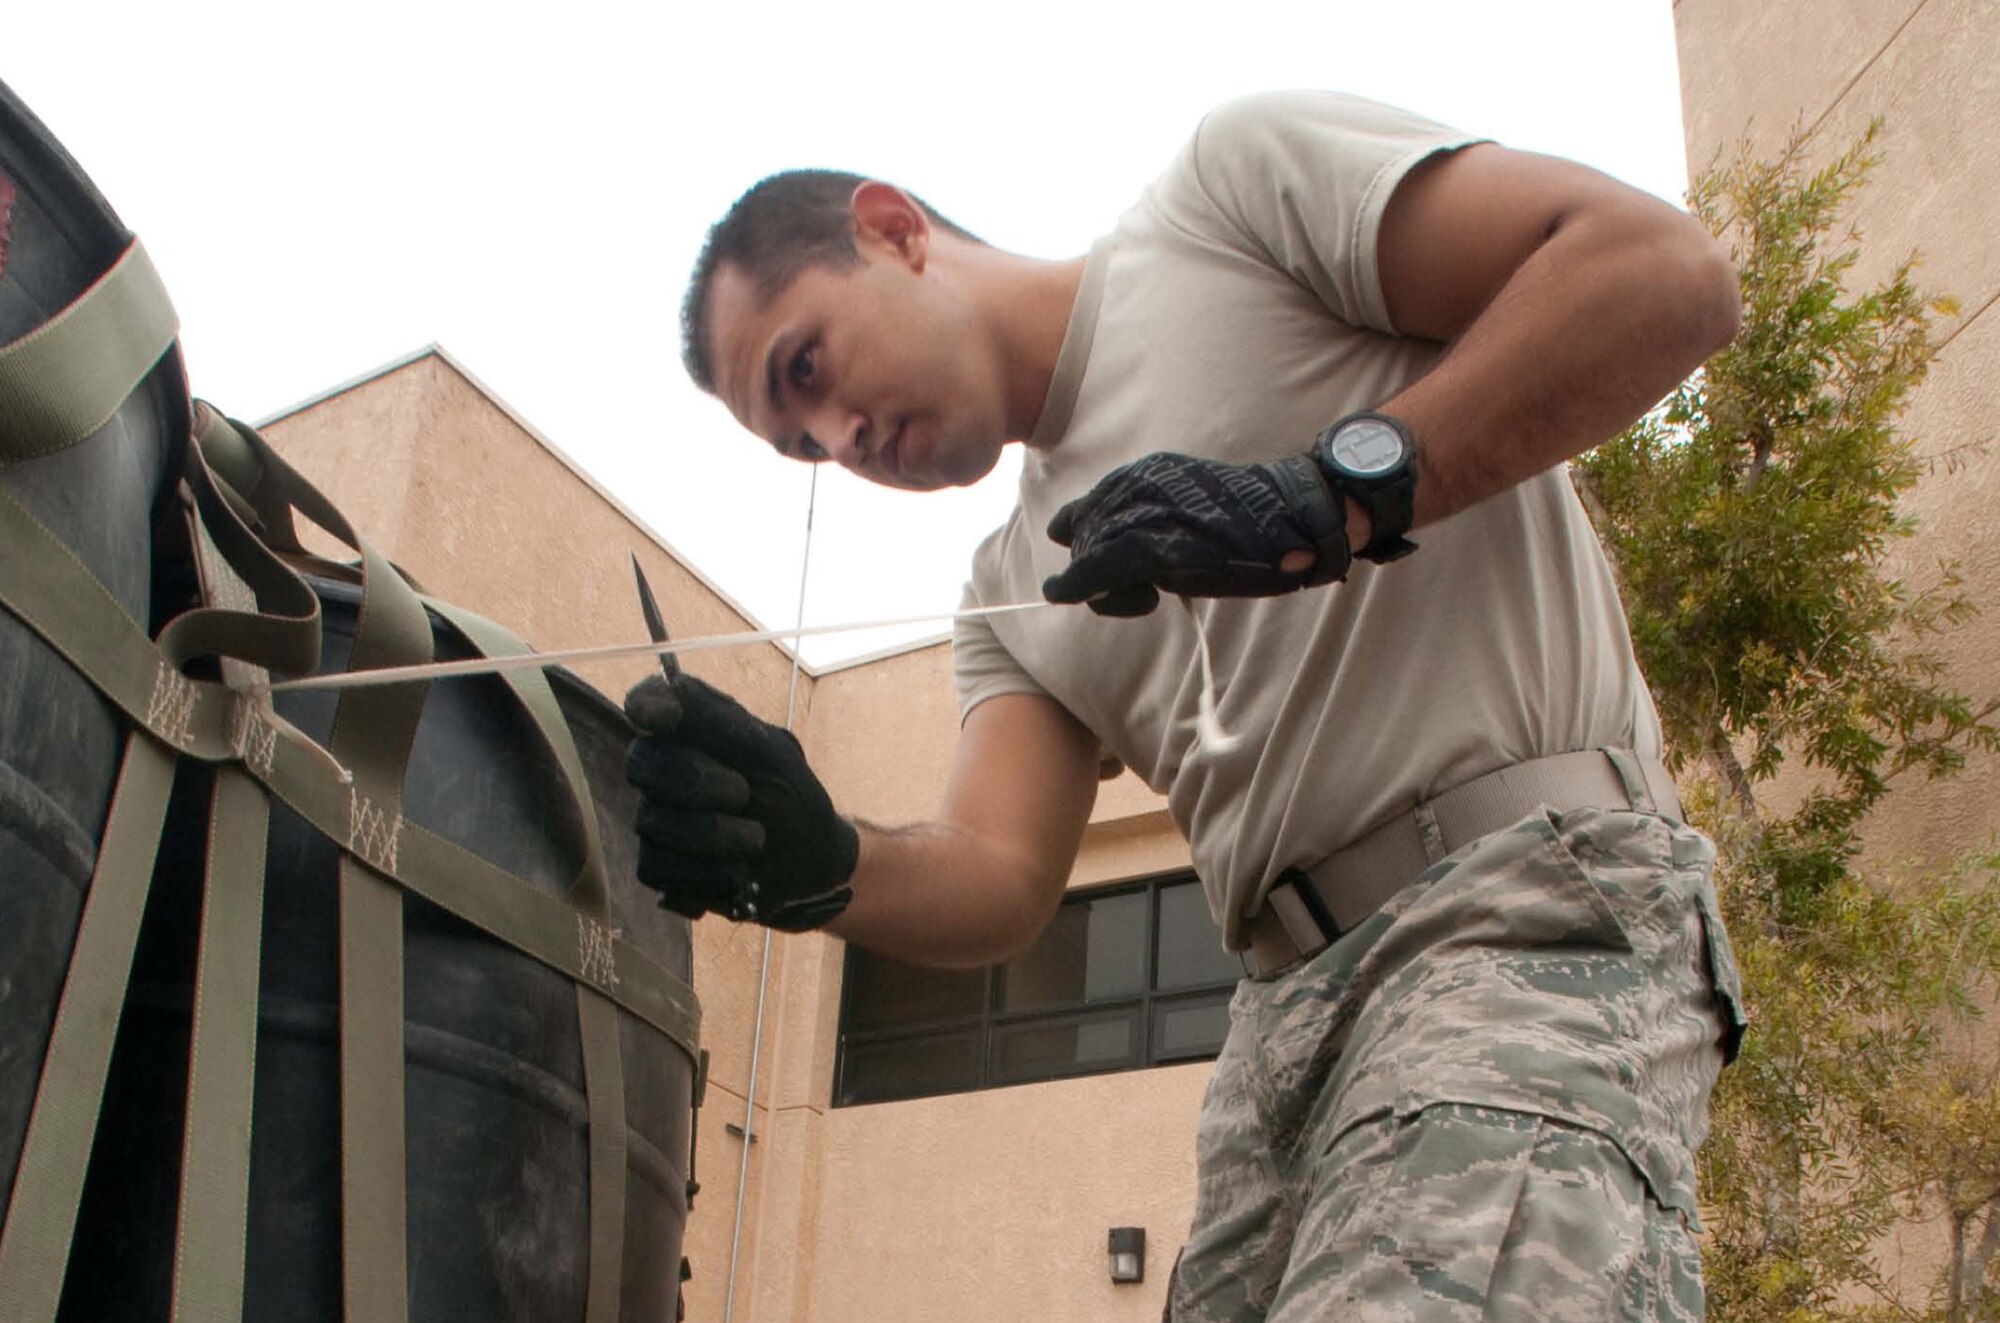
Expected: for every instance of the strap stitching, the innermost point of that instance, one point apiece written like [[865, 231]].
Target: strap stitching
[[170, 710], [372, 835], [597, 952], [254, 739]]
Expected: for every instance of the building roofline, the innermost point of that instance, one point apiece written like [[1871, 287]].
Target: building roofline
[[360, 379], [493, 397], [881, 654]]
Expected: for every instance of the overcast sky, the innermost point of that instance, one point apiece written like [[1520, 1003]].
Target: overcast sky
[[328, 187]]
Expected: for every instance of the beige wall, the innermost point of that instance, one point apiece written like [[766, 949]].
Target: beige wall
[[995, 1204], [1931, 69], [883, 733], [487, 514], [1006, 1200]]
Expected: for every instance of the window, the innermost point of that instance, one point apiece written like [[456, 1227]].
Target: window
[[1123, 977]]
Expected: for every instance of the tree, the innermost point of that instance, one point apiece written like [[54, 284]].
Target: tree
[[1752, 519]]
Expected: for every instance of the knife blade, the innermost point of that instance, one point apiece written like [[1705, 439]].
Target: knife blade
[[656, 627]]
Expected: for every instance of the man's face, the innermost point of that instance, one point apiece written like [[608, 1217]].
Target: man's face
[[880, 367]]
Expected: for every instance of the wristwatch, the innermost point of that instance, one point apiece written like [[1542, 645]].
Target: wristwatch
[[1370, 457]]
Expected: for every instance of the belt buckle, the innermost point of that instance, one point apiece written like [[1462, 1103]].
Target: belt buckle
[[1301, 914]]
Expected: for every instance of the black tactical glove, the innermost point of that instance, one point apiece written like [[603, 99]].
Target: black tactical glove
[[733, 820], [1199, 527]]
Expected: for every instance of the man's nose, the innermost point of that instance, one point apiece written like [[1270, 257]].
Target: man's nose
[[840, 432]]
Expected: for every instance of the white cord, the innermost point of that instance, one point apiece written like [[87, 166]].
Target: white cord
[[1207, 724], [529, 660]]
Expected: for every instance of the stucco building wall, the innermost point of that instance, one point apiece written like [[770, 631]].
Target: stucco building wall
[[1931, 70], [994, 1204]]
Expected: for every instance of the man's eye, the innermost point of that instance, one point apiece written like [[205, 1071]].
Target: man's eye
[[800, 370], [808, 450]]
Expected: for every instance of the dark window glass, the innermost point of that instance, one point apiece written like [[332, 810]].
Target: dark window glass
[[1188, 1028], [910, 1067], [1093, 950], [1127, 976], [1191, 954], [884, 994], [1075, 1044]]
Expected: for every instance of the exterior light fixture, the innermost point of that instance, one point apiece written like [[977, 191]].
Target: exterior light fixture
[[1128, 1254]]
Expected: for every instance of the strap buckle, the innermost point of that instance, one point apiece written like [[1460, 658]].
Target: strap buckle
[[1302, 914]]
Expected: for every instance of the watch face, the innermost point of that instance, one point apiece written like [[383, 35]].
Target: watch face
[[1367, 447]]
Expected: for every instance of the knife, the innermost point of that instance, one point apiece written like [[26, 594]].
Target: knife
[[655, 626]]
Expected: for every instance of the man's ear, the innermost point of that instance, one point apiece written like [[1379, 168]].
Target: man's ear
[[885, 215]]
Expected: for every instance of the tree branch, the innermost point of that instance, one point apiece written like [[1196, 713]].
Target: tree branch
[[1975, 1267], [1728, 768]]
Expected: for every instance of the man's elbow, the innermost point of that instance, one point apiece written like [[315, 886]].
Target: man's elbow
[[1704, 284], [1666, 268], [994, 939], [1007, 904], [1021, 923]]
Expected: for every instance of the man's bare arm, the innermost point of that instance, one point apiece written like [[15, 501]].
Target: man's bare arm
[[1569, 302], [976, 885]]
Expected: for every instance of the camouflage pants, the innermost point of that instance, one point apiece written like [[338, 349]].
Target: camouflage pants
[[1482, 1103]]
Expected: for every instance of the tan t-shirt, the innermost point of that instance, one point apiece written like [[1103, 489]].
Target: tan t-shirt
[[1235, 312]]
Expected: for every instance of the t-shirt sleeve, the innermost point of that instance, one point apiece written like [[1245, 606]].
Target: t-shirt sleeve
[[981, 666], [1302, 180]]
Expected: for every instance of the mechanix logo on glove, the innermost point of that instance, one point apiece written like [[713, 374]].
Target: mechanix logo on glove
[[1197, 527]]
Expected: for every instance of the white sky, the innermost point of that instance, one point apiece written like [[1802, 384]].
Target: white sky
[[327, 187]]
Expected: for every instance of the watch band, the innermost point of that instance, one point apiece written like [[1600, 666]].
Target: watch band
[[1387, 496]]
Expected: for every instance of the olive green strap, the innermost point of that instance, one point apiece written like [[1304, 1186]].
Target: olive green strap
[[265, 492], [267, 615], [48, 1183], [56, 596], [211, 1239], [591, 891], [372, 735], [373, 1184], [64, 379], [604, 1091], [212, 1228], [373, 731], [597, 1018]]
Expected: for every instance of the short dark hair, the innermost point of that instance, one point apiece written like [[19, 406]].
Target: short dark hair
[[786, 223]]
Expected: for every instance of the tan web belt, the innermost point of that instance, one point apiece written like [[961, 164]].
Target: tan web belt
[[1310, 909]]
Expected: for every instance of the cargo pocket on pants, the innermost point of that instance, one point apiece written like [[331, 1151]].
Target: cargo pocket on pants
[[1694, 854], [1489, 1213]]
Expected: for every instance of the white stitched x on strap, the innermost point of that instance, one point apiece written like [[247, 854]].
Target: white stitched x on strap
[[371, 833]]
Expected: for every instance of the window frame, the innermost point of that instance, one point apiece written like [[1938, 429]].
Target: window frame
[[991, 1020]]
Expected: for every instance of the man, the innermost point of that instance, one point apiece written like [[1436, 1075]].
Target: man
[[1490, 991]]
